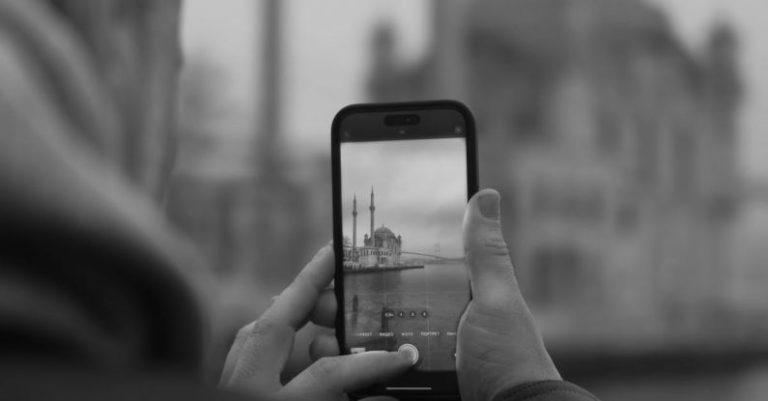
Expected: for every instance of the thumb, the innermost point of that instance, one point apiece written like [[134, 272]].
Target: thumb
[[345, 373], [491, 273]]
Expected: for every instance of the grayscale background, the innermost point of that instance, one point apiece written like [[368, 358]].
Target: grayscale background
[[626, 137]]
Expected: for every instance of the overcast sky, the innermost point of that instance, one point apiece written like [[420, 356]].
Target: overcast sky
[[420, 191], [327, 49]]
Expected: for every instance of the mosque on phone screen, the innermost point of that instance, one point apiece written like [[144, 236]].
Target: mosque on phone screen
[[380, 250]]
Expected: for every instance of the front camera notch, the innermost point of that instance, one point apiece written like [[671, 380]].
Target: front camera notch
[[401, 119]]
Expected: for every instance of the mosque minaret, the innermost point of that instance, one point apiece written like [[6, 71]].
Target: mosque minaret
[[372, 208], [354, 224], [380, 247]]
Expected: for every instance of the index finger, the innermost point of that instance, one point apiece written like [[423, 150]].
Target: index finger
[[295, 304]]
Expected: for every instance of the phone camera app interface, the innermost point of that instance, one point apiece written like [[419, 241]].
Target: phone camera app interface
[[405, 284]]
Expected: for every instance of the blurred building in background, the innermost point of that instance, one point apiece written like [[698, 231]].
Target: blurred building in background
[[612, 144], [254, 218], [614, 149]]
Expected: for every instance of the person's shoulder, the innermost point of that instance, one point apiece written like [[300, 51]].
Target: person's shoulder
[[548, 390]]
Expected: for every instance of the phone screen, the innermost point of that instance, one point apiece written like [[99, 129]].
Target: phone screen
[[403, 261]]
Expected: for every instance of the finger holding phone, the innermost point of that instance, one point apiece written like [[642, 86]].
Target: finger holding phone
[[261, 349], [499, 346]]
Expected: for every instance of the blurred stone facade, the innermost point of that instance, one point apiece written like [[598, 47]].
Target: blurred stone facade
[[613, 148], [254, 213]]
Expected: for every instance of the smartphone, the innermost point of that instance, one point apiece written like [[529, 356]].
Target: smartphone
[[402, 176]]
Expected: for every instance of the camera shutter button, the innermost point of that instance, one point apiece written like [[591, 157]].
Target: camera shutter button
[[411, 350]]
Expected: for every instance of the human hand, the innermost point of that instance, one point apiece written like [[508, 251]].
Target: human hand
[[499, 345], [261, 349]]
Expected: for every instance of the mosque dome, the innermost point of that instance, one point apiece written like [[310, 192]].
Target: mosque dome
[[383, 232]]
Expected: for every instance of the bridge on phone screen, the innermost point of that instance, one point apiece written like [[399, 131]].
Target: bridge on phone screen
[[437, 258]]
